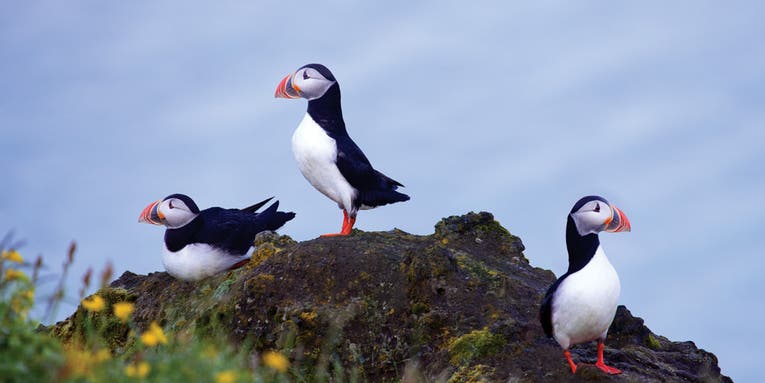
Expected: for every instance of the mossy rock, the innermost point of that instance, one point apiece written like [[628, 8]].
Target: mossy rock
[[460, 304]]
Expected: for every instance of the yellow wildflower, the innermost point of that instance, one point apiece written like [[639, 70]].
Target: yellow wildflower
[[153, 336], [12, 256], [102, 355], [122, 310], [137, 370], [276, 360], [308, 316], [15, 275], [225, 377], [94, 303]]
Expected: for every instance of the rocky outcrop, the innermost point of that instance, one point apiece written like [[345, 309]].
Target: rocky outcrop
[[458, 305]]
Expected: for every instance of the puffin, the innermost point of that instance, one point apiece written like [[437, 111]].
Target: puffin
[[580, 306], [325, 153], [199, 244]]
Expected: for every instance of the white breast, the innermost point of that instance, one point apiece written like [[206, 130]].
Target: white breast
[[316, 154], [197, 261], [585, 302]]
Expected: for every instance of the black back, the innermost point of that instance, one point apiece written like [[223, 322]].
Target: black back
[[232, 230], [375, 188]]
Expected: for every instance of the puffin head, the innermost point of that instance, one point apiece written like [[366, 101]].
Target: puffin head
[[175, 211], [593, 214], [309, 82]]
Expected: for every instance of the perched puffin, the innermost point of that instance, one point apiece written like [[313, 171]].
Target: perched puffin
[[580, 306], [199, 244], [326, 154]]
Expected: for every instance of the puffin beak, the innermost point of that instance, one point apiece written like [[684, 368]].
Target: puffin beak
[[151, 214], [618, 221], [287, 89]]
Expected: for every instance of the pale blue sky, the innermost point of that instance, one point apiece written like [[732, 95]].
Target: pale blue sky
[[514, 109]]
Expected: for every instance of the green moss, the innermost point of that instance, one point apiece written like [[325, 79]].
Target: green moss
[[480, 270], [476, 344], [482, 223], [223, 288], [475, 374], [653, 343]]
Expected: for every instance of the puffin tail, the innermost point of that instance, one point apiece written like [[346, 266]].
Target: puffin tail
[[254, 208], [374, 198], [271, 219], [385, 192]]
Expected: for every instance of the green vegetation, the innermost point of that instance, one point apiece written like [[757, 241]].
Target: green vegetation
[[476, 344], [653, 343], [101, 343], [26, 355]]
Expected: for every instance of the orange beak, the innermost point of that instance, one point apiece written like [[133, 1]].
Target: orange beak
[[151, 214], [287, 89], [617, 222]]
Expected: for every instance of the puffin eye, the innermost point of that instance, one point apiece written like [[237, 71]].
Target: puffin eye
[[597, 207], [305, 75], [170, 204]]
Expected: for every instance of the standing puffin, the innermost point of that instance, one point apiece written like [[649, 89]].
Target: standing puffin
[[326, 154], [199, 244], [580, 306]]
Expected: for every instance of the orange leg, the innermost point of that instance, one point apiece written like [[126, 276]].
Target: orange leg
[[570, 361], [601, 364], [348, 223]]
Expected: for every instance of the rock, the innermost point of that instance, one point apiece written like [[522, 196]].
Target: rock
[[458, 305]]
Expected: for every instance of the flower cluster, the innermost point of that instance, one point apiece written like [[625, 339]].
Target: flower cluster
[[94, 303], [138, 370], [153, 336], [122, 310]]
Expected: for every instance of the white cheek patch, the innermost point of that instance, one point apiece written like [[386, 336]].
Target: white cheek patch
[[590, 222], [313, 89], [176, 218]]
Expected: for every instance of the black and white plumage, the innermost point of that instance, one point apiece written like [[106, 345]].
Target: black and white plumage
[[199, 244], [326, 154], [580, 306]]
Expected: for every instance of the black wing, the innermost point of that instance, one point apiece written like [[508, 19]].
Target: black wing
[[354, 165], [545, 311], [228, 229], [375, 188], [234, 230]]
